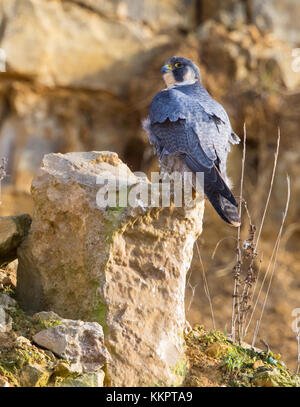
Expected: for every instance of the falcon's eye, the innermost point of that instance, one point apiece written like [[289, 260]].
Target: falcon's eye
[[178, 65]]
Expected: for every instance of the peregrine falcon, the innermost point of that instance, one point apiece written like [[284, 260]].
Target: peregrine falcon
[[188, 127]]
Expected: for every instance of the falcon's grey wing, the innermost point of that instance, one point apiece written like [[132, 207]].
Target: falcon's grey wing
[[207, 117], [216, 111]]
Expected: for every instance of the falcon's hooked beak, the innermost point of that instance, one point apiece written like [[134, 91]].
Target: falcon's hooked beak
[[168, 76], [166, 68]]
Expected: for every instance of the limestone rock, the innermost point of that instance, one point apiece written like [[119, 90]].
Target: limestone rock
[[68, 375], [64, 369], [6, 301], [13, 229], [2, 276], [3, 382], [123, 267], [92, 379], [8, 276], [81, 343], [22, 341], [268, 378], [47, 316], [5, 320], [34, 375]]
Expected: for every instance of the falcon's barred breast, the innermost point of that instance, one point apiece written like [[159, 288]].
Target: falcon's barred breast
[[186, 123]]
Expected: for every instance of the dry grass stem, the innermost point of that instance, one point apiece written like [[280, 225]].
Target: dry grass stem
[[206, 289], [277, 245], [238, 265]]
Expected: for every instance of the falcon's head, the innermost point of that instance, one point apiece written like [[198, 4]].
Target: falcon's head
[[180, 71]]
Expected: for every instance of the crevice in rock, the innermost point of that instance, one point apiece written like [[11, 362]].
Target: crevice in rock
[[86, 7]]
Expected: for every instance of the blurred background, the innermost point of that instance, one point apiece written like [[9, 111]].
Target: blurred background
[[79, 75]]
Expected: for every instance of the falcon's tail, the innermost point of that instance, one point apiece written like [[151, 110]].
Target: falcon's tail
[[225, 209], [217, 191]]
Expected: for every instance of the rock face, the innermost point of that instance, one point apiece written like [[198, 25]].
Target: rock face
[[123, 267], [98, 43], [278, 17], [81, 343], [5, 319], [13, 229], [67, 49]]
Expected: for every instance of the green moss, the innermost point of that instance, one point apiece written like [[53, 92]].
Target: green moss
[[240, 366], [28, 326], [43, 380], [94, 283], [63, 372], [25, 360], [22, 323], [11, 378], [34, 375], [83, 380], [113, 216], [22, 363], [233, 360], [8, 290], [99, 315], [180, 371], [212, 337], [112, 222], [45, 324]]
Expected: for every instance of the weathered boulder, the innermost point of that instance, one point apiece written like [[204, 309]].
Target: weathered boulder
[[81, 343], [123, 267], [13, 229]]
